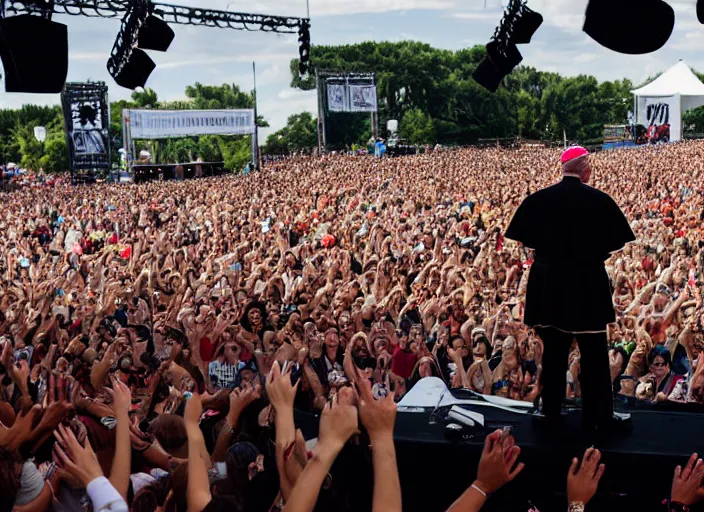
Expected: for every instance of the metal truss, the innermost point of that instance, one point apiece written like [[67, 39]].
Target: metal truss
[[175, 14]]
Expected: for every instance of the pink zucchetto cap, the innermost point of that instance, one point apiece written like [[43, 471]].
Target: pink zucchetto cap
[[573, 160], [572, 153]]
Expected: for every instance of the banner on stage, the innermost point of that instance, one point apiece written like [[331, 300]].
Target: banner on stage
[[338, 98], [363, 98], [163, 124], [662, 117], [351, 98]]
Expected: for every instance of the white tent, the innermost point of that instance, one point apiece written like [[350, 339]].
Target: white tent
[[663, 100]]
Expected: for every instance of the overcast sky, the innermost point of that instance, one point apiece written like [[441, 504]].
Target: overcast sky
[[216, 56]]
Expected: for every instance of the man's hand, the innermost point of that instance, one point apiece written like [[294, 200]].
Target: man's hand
[[21, 374], [121, 397], [338, 423], [377, 416], [582, 483], [497, 465], [80, 462], [21, 430], [240, 399], [687, 484], [279, 389], [194, 408]]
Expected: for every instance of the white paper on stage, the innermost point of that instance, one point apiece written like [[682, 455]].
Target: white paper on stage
[[162, 124], [661, 116], [363, 98], [337, 98]]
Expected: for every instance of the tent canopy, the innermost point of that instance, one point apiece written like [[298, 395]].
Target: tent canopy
[[679, 79]]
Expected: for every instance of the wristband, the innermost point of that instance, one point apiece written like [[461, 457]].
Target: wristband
[[480, 491], [676, 506], [576, 506]]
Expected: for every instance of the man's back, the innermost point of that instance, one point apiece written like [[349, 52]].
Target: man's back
[[570, 224], [573, 229]]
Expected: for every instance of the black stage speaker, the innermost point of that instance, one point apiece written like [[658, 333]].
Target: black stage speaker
[[34, 53], [155, 34], [137, 70]]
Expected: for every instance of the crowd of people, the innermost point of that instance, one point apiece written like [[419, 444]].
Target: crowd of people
[[172, 334]]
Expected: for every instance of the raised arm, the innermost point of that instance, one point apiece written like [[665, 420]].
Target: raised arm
[[379, 417]]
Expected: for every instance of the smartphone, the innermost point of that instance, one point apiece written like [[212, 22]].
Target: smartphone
[[296, 373]]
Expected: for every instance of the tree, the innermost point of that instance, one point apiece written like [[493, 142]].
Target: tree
[[29, 147], [412, 76], [146, 99], [417, 127], [300, 132]]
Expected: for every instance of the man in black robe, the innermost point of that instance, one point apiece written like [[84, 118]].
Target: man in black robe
[[573, 228]]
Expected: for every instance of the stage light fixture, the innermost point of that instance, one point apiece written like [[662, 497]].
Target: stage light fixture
[[155, 34], [34, 53], [135, 71], [526, 24], [304, 47], [517, 26], [129, 65], [651, 23]]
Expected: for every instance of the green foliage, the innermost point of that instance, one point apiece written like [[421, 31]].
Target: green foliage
[[417, 127], [414, 77], [146, 99], [300, 132]]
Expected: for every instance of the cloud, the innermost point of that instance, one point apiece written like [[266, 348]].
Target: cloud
[[87, 56], [287, 103], [690, 41], [262, 57], [478, 15], [327, 7]]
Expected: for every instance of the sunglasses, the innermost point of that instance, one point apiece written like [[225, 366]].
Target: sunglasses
[[658, 365]]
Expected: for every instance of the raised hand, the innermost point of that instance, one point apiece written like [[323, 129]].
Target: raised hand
[[687, 484], [279, 389], [497, 465], [583, 482], [377, 416], [240, 399], [338, 423], [80, 462], [194, 408], [121, 397]]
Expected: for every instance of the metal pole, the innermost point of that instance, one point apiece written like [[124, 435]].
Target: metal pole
[[320, 113], [255, 136], [635, 117], [375, 115], [322, 116]]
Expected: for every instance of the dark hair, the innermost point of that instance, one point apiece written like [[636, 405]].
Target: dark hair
[[237, 483], [244, 321], [179, 485], [482, 340], [453, 338], [170, 431], [223, 504], [10, 460], [150, 497], [660, 351]]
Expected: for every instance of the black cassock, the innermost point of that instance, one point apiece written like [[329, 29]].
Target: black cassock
[[573, 228]]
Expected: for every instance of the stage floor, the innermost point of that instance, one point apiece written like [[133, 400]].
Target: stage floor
[[639, 465]]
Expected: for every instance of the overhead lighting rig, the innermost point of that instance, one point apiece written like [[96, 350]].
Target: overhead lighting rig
[[145, 25]]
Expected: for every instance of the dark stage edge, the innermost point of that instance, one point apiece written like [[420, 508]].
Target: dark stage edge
[[639, 464]]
